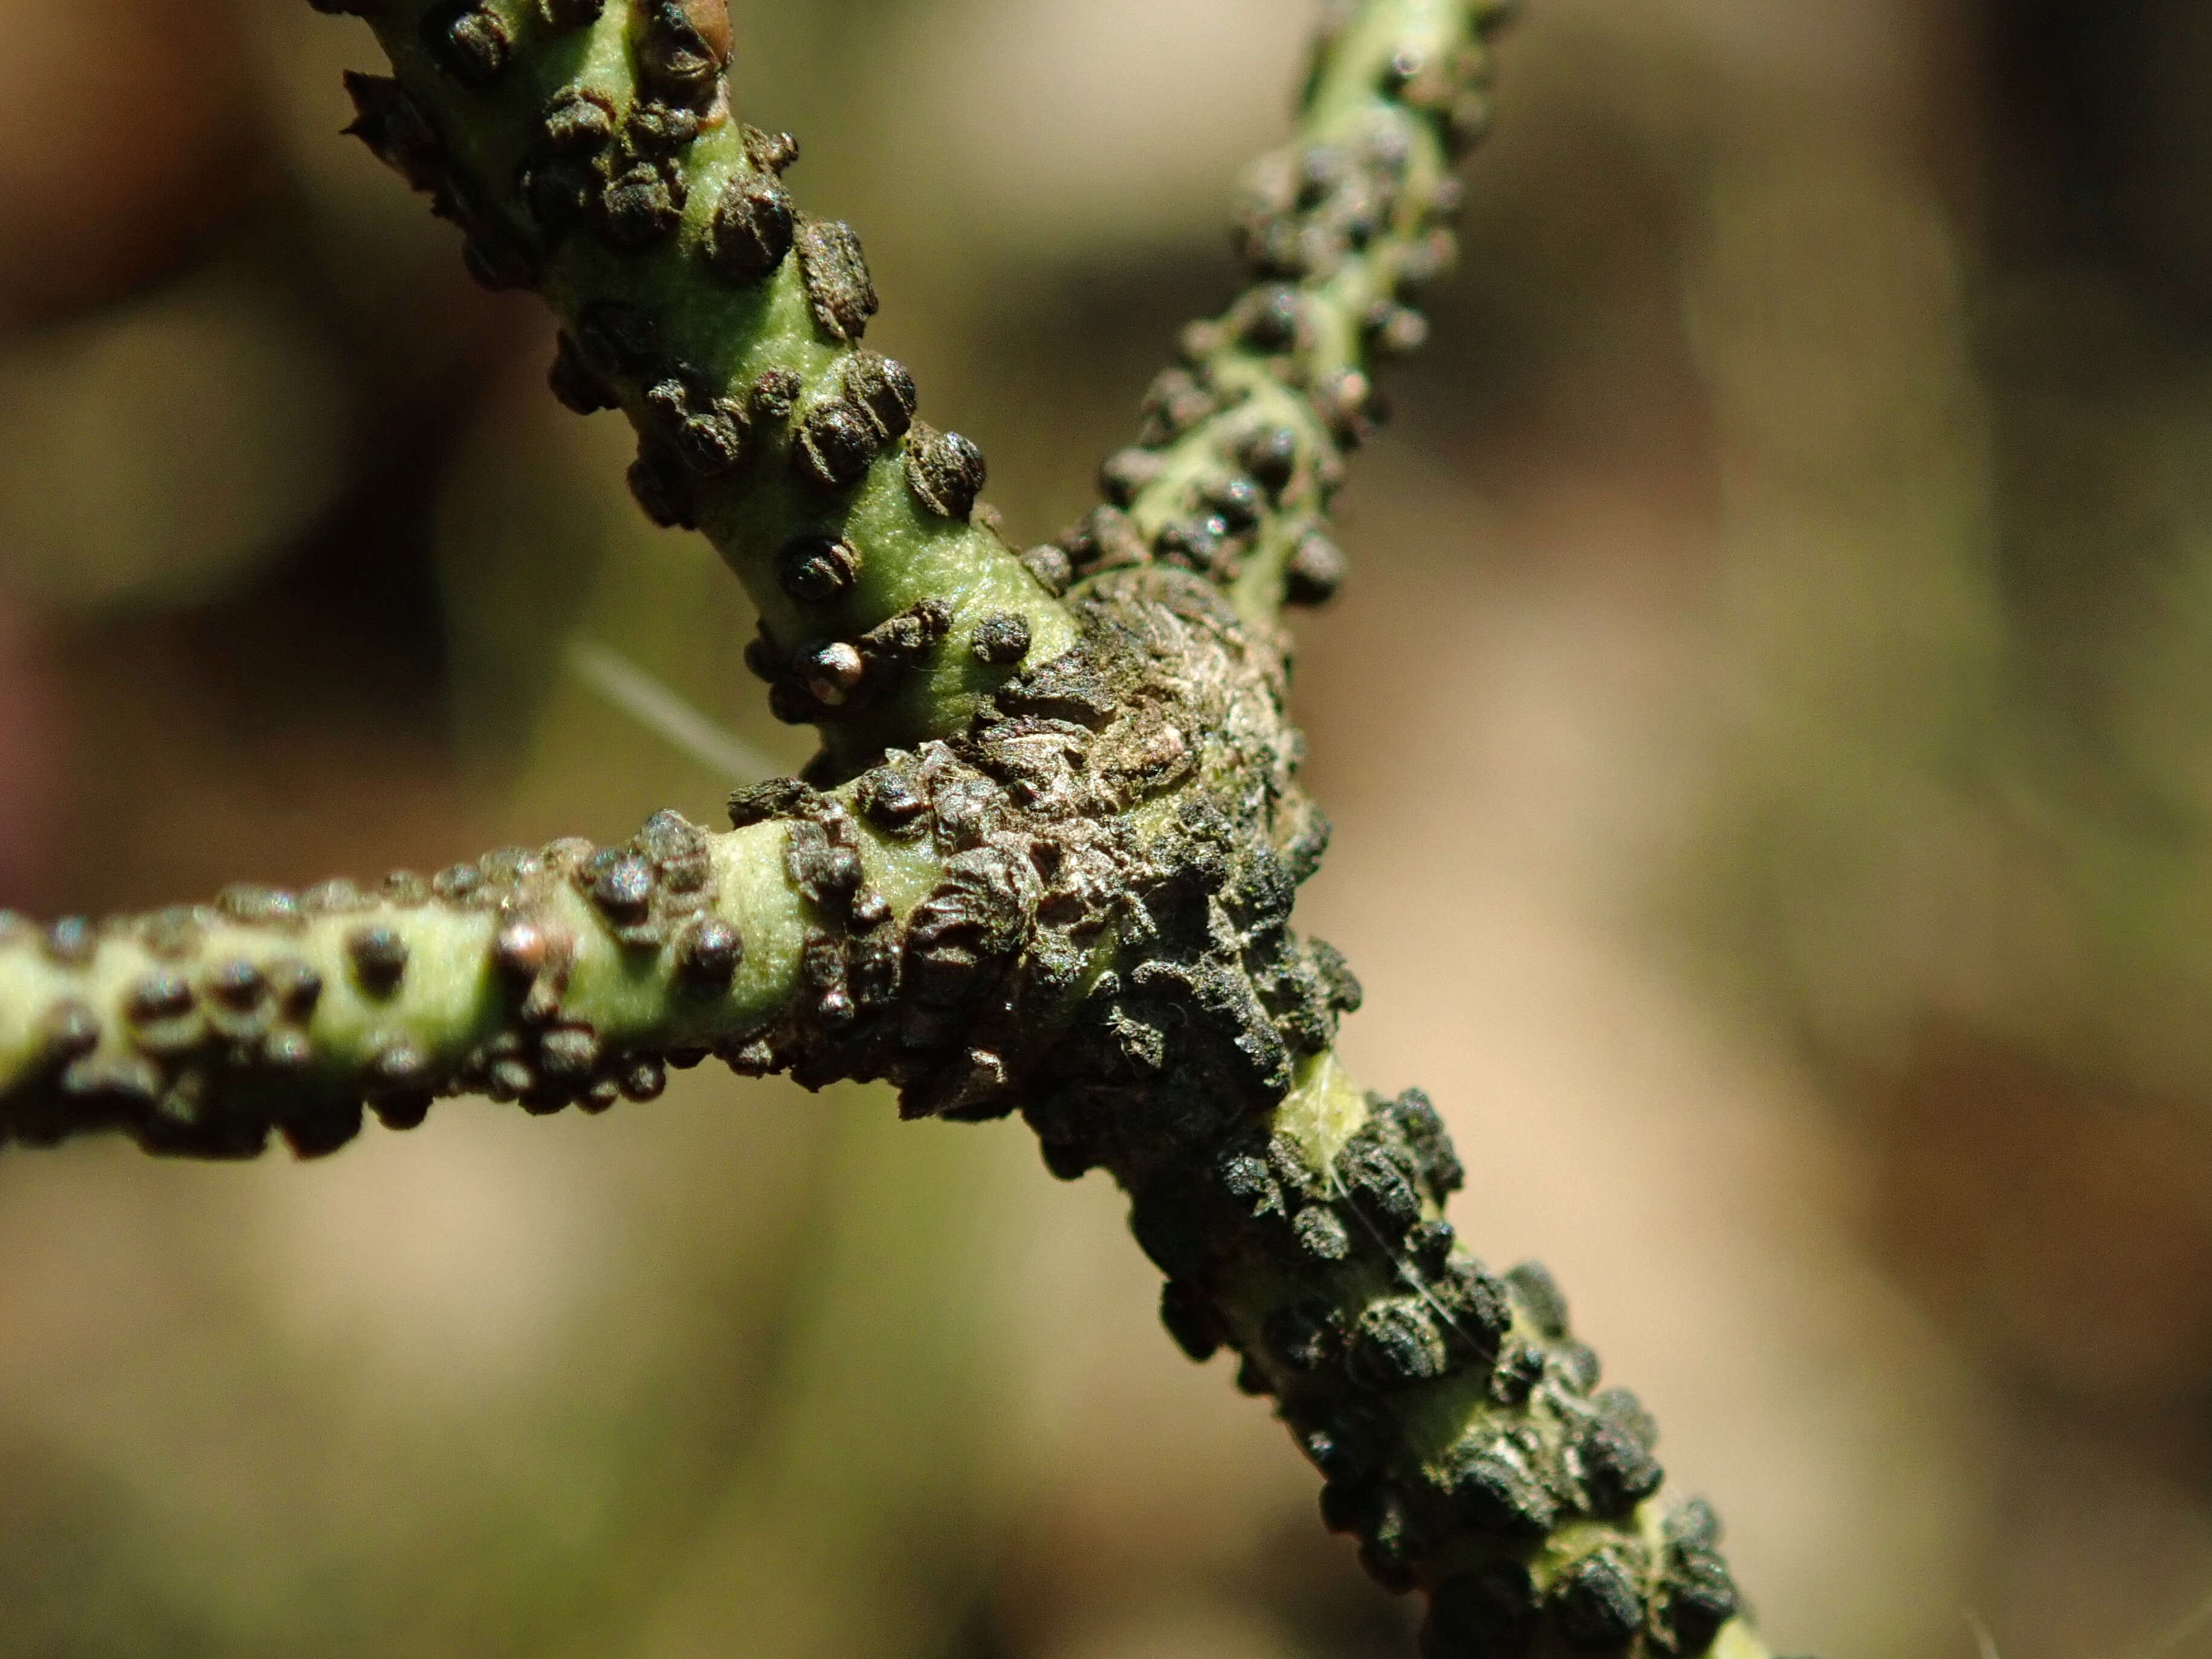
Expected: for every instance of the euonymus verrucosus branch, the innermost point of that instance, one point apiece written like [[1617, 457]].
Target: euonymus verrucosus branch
[[1045, 859]]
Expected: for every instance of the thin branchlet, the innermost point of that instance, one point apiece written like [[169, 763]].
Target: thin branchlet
[[568, 974], [1048, 862], [1244, 440]]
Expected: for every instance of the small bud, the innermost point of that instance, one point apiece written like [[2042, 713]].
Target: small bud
[[476, 46], [1049, 564], [752, 230], [379, 957], [162, 994], [945, 472], [623, 887], [1001, 639], [771, 152], [68, 1028], [835, 447], [643, 1079], [819, 570], [681, 48], [641, 206], [883, 393], [832, 673], [1315, 571], [71, 941], [708, 954], [578, 120], [522, 949], [1273, 320], [839, 289]]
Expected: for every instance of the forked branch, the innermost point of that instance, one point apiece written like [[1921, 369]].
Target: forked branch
[[1046, 859]]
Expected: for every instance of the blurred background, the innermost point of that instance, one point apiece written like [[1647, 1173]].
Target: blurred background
[[1793, 566]]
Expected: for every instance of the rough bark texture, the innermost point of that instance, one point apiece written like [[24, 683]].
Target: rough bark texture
[[1046, 860]]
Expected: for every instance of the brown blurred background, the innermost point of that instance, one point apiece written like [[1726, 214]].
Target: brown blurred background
[[1791, 572]]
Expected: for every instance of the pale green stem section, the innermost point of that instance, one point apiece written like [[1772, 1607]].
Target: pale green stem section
[[449, 998], [1411, 75], [200, 1029], [724, 336]]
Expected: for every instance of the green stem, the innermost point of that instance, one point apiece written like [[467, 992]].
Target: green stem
[[1244, 443], [572, 975], [589, 152]]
